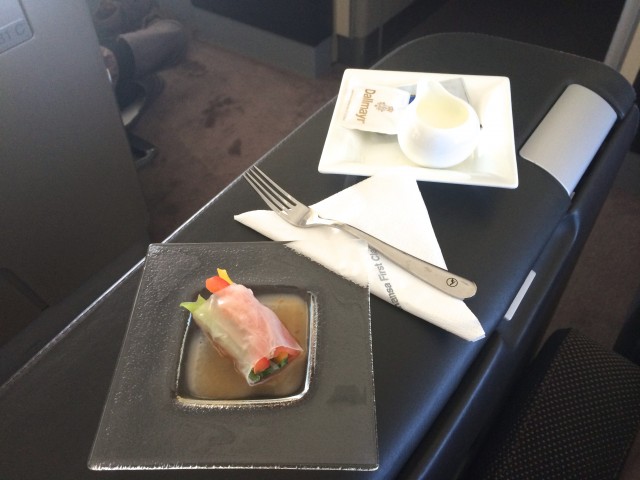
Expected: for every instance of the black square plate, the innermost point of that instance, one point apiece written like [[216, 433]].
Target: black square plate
[[330, 425]]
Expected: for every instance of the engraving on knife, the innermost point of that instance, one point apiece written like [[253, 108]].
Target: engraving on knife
[[452, 282], [14, 34], [383, 276]]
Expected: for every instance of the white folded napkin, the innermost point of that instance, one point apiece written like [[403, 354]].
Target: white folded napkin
[[389, 206]]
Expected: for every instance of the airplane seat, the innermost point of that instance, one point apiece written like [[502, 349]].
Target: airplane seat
[[574, 413]]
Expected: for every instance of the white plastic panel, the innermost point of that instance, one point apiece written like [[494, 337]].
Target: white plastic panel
[[569, 136]]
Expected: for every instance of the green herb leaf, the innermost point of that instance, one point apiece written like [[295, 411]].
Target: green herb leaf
[[193, 306]]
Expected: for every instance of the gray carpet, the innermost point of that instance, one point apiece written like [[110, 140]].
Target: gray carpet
[[218, 114]]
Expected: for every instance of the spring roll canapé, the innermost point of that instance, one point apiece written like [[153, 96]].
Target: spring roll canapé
[[242, 328]]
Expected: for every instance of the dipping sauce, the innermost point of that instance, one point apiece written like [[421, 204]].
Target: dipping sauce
[[205, 374]]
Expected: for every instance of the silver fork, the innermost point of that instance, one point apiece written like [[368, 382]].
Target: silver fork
[[300, 215]]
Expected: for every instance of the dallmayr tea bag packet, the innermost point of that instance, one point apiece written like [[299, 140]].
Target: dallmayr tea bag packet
[[375, 108]]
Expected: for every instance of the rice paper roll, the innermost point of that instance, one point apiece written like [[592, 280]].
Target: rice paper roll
[[241, 327]]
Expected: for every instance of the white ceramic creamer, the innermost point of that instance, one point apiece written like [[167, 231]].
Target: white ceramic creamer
[[438, 129]]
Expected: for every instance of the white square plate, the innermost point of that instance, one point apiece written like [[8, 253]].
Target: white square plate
[[493, 164]]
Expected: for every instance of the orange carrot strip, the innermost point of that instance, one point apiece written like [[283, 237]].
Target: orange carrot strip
[[215, 284]]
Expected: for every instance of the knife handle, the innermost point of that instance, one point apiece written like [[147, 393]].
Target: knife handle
[[443, 280]]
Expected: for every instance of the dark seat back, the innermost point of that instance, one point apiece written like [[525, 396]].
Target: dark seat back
[[574, 414]]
